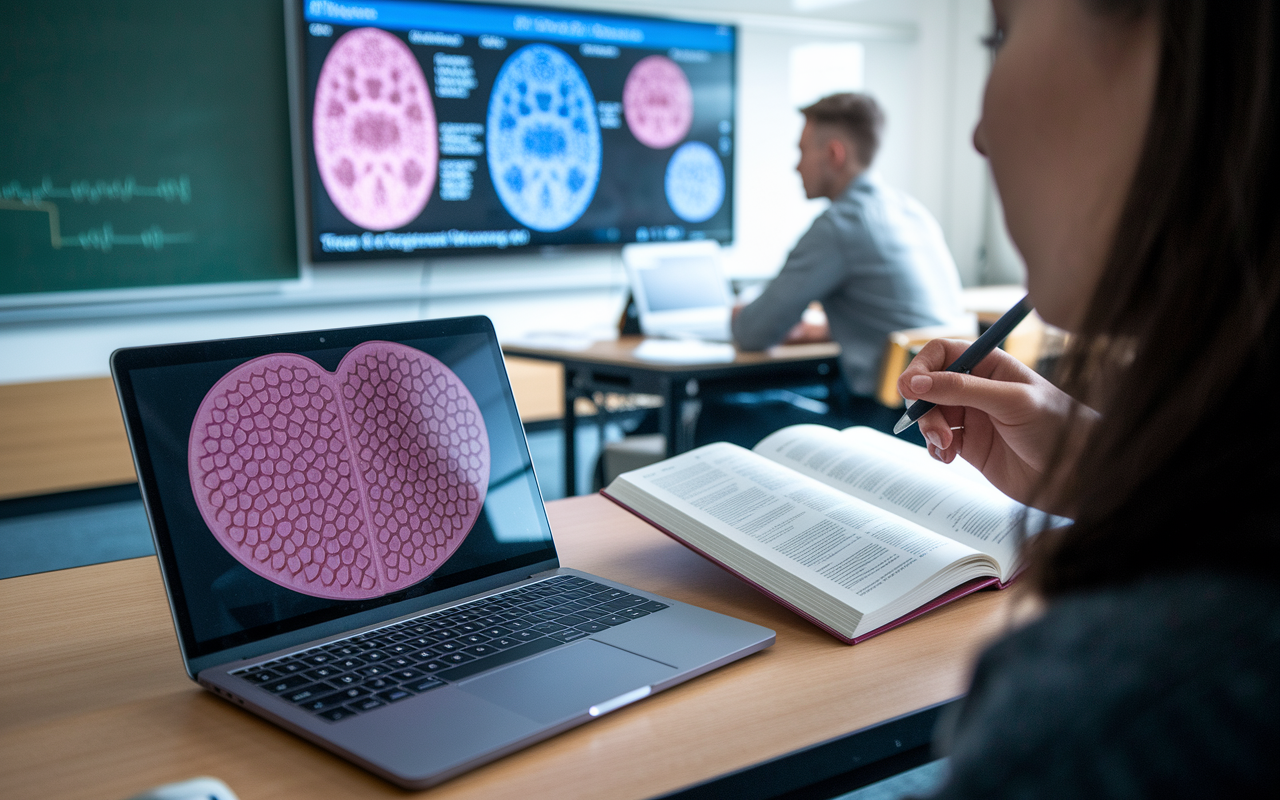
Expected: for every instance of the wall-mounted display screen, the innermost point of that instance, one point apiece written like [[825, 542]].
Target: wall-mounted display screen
[[430, 127]]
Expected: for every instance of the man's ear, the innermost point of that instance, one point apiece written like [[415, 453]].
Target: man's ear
[[837, 152]]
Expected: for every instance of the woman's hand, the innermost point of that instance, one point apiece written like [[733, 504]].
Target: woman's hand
[[1003, 418]]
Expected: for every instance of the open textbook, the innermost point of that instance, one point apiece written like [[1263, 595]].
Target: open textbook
[[855, 530]]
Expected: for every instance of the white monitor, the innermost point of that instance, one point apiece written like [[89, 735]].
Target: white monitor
[[680, 289]]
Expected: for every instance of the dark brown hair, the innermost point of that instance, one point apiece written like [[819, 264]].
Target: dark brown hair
[[1180, 345], [857, 116]]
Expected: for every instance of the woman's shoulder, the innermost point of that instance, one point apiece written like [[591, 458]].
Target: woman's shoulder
[[1169, 685]]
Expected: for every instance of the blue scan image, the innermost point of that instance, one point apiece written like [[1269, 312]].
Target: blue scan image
[[695, 182], [543, 138]]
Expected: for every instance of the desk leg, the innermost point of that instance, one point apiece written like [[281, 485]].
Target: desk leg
[[669, 417], [570, 435]]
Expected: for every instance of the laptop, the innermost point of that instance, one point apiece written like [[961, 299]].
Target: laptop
[[680, 289], [354, 547]]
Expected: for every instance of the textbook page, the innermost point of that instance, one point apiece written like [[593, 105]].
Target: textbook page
[[809, 532], [954, 500]]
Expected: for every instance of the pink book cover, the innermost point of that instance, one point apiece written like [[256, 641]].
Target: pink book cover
[[964, 589]]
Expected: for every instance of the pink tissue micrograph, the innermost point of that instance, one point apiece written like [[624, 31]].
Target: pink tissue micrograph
[[346, 485], [374, 130], [658, 102]]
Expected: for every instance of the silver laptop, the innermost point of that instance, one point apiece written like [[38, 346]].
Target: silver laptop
[[354, 547], [680, 289]]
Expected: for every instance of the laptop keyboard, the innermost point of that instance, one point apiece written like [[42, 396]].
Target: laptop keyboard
[[373, 669]]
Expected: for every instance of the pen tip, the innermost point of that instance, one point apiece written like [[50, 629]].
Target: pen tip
[[903, 424]]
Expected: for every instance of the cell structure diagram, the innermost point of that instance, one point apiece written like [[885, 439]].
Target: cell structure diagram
[[657, 101], [544, 146], [374, 130], [346, 485], [695, 182]]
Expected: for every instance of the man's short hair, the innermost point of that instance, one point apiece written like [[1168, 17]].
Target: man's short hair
[[855, 115]]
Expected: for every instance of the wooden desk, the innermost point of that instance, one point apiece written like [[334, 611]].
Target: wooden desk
[[94, 702], [611, 366]]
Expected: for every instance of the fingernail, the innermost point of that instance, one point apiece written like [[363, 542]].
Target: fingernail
[[933, 439], [921, 383]]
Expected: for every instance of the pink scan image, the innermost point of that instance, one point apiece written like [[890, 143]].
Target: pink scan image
[[347, 485], [374, 130], [658, 102]]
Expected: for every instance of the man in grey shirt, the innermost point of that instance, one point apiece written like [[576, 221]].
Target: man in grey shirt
[[875, 259]]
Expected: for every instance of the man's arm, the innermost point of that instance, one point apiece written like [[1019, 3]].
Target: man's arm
[[813, 270]]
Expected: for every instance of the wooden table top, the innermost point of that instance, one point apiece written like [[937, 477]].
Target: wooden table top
[[95, 703], [621, 351]]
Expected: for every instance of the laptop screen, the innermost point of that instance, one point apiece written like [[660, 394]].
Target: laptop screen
[[301, 479], [676, 284]]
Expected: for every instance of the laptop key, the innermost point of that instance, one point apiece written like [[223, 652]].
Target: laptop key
[[378, 684], [392, 695], [456, 658], [285, 684], [433, 666], [406, 675], [503, 643], [567, 635], [621, 602], [480, 650], [367, 704], [323, 673], [633, 613], [651, 606], [260, 677], [352, 692], [324, 703], [572, 620], [611, 620], [305, 693], [547, 627], [591, 627], [423, 684], [336, 714]]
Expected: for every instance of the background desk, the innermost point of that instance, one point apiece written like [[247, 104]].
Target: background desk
[[611, 366], [94, 702]]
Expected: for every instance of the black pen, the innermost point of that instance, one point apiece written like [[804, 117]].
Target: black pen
[[971, 357]]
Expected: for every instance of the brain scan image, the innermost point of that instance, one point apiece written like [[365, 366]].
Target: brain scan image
[[695, 182], [346, 485], [374, 130], [658, 102], [543, 138]]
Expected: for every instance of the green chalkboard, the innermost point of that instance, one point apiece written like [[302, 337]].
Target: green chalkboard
[[143, 143]]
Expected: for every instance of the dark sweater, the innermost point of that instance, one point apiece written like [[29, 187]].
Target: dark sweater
[[1169, 687]]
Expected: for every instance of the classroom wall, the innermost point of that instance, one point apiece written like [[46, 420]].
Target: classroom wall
[[921, 58]]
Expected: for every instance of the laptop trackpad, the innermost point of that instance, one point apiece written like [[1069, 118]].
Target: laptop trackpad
[[566, 682]]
